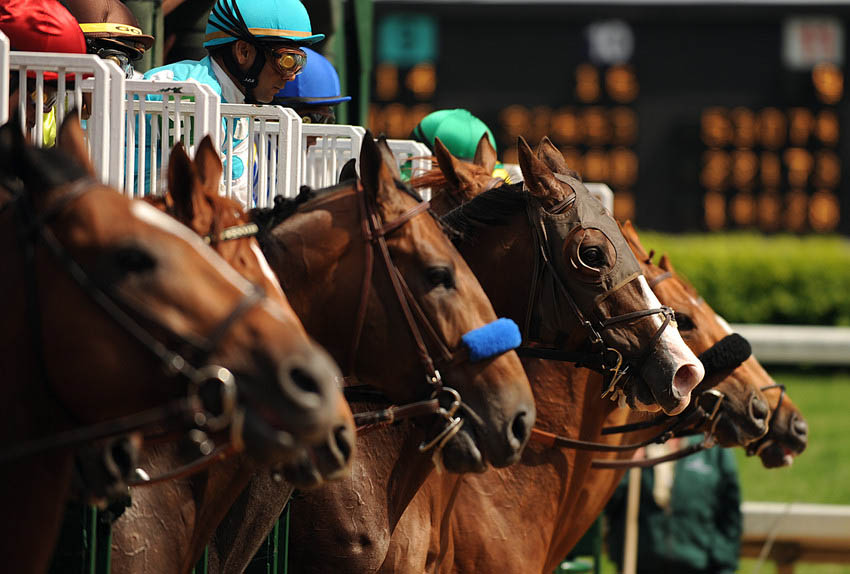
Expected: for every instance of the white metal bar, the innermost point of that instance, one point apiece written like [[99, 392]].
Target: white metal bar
[[5, 74]]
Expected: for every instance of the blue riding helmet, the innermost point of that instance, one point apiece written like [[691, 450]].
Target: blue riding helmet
[[259, 20], [318, 84]]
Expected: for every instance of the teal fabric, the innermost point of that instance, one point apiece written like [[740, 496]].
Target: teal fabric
[[269, 14], [701, 530], [202, 72], [458, 129]]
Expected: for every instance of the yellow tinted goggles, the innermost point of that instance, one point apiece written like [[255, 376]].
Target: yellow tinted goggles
[[288, 61]]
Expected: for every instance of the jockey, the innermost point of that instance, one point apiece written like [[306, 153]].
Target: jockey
[[255, 47], [460, 132], [314, 91], [112, 32], [39, 26]]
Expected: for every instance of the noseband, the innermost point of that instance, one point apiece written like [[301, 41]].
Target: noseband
[[34, 229]]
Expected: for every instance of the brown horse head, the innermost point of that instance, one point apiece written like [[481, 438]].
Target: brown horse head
[[575, 270], [788, 435], [119, 310], [193, 199], [393, 326], [744, 408]]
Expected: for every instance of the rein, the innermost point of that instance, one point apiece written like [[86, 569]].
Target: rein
[[33, 229]]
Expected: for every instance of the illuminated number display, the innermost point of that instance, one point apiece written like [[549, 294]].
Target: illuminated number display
[[704, 117]]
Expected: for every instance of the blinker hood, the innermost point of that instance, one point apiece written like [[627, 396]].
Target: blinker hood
[[585, 213], [549, 318]]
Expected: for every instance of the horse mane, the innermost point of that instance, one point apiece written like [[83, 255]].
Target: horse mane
[[493, 207], [433, 178]]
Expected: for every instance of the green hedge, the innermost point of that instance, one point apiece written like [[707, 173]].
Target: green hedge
[[752, 278]]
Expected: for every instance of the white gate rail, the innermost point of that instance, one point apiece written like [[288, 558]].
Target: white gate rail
[[91, 75], [274, 157], [4, 78], [325, 148], [158, 115]]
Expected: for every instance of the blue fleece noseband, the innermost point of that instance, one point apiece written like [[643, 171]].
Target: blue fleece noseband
[[493, 339]]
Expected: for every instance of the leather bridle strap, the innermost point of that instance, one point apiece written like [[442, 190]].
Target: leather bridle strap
[[181, 408], [375, 235], [650, 462], [659, 278]]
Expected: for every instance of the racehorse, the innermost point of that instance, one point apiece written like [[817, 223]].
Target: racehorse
[[543, 503], [500, 500], [361, 545], [168, 524], [140, 318], [375, 280]]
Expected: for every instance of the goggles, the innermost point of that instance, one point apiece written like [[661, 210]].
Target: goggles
[[318, 117], [119, 57], [288, 61]]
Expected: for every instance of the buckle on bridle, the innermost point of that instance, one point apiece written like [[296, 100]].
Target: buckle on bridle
[[451, 429], [617, 372]]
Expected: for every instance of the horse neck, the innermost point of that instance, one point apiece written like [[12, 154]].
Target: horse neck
[[318, 256], [490, 253], [387, 472], [173, 521], [596, 486]]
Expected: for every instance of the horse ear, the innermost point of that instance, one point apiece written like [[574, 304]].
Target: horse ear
[[71, 140], [182, 183], [378, 174], [630, 233], [348, 171], [551, 156], [485, 154], [539, 179], [449, 165], [370, 164], [389, 157], [208, 165], [665, 264]]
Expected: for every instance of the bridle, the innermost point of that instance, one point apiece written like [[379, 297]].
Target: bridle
[[419, 326], [597, 355], [695, 416], [189, 411]]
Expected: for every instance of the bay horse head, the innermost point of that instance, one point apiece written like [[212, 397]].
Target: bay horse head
[[583, 289], [372, 275], [732, 377], [193, 198], [788, 435], [111, 309]]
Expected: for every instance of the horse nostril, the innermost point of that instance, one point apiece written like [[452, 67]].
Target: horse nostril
[[759, 410], [519, 431], [343, 443], [800, 428], [304, 381]]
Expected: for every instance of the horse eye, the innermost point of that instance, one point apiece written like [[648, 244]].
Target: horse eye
[[684, 322], [132, 260], [592, 256], [440, 276]]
